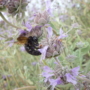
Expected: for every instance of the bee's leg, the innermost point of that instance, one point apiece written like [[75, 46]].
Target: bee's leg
[[38, 47]]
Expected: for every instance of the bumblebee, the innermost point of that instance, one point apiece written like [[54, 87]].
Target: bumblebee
[[30, 43]]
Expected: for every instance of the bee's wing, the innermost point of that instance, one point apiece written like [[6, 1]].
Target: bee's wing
[[21, 40]]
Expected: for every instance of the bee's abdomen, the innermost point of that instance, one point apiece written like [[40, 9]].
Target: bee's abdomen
[[31, 50]]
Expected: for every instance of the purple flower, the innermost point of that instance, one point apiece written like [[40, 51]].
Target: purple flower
[[49, 76], [43, 51], [48, 7], [48, 4], [62, 34], [29, 27], [50, 32], [75, 71], [47, 69], [47, 73], [4, 77], [55, 82], [71, 77]]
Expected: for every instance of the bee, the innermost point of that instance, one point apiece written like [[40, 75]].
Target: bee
[[30, 43]]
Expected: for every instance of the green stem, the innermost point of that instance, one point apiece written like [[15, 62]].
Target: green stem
[[9, 22], [83, 79], [26, 87], [57, 60]]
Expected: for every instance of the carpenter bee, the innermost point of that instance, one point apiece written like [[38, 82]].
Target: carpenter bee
[[30, 43]]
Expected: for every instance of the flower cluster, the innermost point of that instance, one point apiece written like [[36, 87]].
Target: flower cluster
[[41, 18], [60, 76], [2, 4], [16, 6], [52, 45]]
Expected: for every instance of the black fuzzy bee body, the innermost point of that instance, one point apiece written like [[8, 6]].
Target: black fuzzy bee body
[[32, 45]]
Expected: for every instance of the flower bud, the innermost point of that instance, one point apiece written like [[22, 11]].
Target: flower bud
[[35, 31], [87, 84], [79, 32], [2, 4], [41, 18], [16, 6]]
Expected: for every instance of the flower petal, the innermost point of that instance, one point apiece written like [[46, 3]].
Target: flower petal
[[43, 51], [27, 24], [75, 71], [71, 78], [62, 34], [50, 32], [54, 82]]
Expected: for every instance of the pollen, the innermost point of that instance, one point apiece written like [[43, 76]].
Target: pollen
[[60, 40]]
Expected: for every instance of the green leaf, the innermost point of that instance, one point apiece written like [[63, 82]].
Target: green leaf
[[85, 50]]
